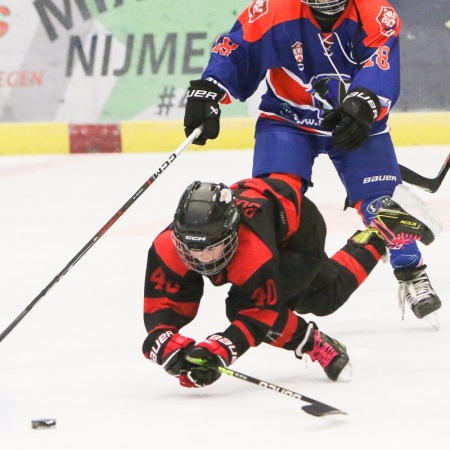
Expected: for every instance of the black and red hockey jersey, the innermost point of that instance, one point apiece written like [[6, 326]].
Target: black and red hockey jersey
[[280, 266]]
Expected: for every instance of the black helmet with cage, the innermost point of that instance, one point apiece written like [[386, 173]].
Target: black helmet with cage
[[327, 7], [205, 225]]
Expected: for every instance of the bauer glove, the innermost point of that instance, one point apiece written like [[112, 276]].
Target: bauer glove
[[169, 350], [215, 351], [351, 122], [202, 108]]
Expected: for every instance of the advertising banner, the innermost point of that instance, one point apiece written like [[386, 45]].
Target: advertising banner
[[97, 61], [111, 75]]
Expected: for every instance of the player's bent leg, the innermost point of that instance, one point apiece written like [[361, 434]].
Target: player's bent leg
[[340, 275], [371, 175]]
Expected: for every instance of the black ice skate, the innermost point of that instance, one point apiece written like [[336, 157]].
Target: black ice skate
[[329, 353], [398, 227], [416, 290]]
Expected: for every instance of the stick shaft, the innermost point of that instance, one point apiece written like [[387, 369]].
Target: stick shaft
[[188, 141], [315, 407], [428, 184]]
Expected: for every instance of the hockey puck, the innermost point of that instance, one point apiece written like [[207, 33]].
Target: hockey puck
[[43, 424]]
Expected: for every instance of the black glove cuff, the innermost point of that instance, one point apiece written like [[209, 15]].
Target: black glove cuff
[[361, 101], [204, 90], [154, 344]]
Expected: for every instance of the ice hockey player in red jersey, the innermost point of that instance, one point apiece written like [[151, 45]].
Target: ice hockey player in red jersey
[[332, 73], [266, 240]]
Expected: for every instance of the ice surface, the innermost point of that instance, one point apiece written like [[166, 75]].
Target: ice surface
[[77, 355]]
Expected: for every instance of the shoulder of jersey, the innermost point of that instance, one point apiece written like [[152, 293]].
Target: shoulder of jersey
[[378, 17], [262, 15]]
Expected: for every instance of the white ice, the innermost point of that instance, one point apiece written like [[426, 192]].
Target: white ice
[[76, 356]]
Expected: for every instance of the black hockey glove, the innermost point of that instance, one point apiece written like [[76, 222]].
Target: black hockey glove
[[213, 352], [169, 350], [202, 107], [351, 122]]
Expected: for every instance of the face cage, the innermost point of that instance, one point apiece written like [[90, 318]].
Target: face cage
[[331, 7], [230, 244]]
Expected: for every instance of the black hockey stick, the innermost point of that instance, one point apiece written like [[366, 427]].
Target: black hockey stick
[[196, 133], [315, 408], [428, 184]]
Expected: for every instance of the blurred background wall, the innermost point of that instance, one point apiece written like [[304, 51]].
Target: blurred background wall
[[111, 75]]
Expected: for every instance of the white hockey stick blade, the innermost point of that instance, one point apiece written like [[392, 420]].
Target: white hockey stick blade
[[414, 205]]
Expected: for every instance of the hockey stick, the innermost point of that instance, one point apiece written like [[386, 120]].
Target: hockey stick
[[428, 184], [408, 175], [194, 135], [315, 408]]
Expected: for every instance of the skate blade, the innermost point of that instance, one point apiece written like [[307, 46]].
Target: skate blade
[[346, 374], [433, 320]]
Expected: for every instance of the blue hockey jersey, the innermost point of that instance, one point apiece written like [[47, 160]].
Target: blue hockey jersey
[[308, 71]]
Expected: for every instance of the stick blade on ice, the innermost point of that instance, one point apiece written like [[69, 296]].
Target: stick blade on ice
[[320, 410]]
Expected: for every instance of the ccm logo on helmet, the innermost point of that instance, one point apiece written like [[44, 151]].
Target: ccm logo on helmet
[[195, 238]]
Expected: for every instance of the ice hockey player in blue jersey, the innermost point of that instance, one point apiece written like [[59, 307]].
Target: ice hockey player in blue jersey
[[332, 71]]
